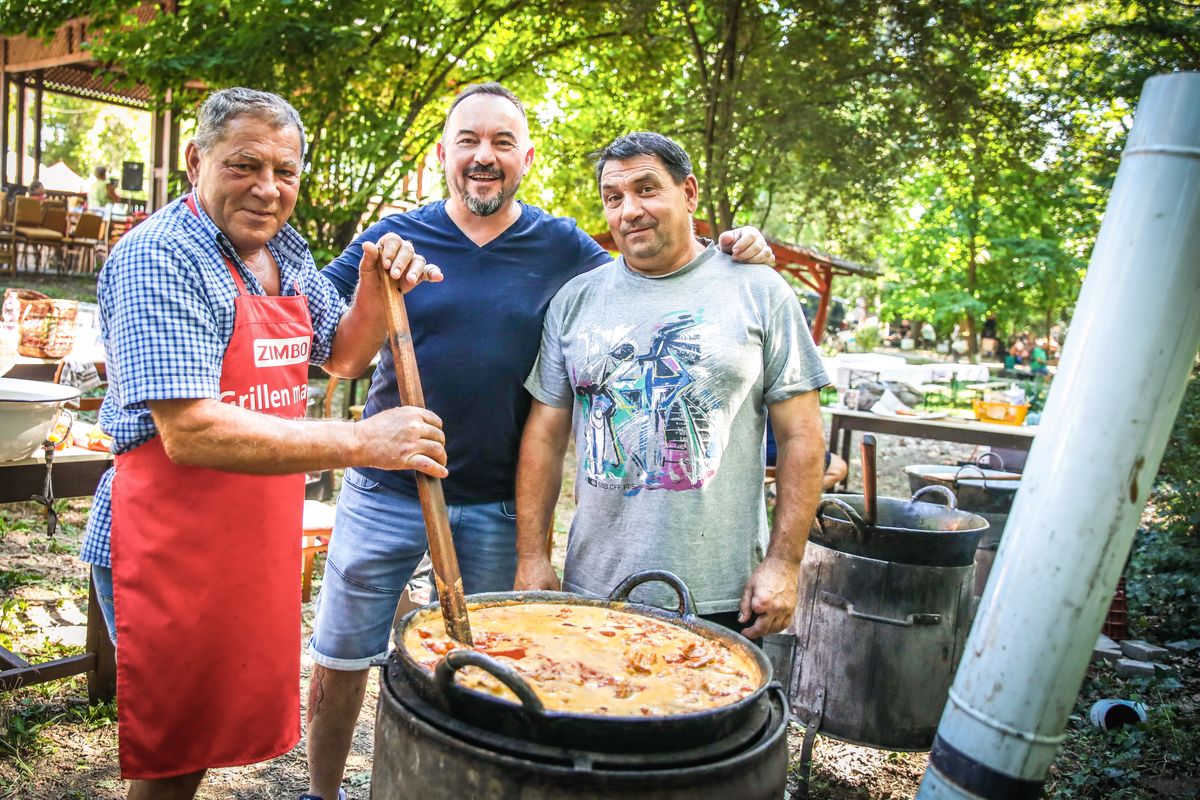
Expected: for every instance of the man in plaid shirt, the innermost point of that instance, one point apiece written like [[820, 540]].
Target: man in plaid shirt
[[211, 312]]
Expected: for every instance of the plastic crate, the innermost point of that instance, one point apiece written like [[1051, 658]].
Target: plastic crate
[[1001, 413], [1116, 624]]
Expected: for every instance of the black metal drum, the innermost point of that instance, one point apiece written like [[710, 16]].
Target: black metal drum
[[423, 751], [882, 618]]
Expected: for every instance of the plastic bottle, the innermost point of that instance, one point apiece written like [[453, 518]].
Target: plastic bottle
[[11, 313]]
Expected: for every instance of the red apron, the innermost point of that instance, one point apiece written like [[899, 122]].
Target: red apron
[[205, 575]]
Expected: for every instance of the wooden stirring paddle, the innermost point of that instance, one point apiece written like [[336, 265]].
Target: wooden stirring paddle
[[870, 505], [429, 489]]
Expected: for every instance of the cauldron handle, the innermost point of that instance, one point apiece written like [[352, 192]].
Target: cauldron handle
[[443, 678], [951, 499], [860, 525], [687, 608], [983, 457], [976, 467]]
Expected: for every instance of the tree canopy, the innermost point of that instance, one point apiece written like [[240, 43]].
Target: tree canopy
[[966, 146]]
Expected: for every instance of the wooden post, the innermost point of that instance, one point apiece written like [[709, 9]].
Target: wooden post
[[20, 169], [4, 105], [818, 324], [37, 126], [102, 679]]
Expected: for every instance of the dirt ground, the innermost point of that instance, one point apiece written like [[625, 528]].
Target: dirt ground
[[53, 746]]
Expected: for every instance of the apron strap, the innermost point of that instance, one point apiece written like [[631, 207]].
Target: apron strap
[[190, 202]]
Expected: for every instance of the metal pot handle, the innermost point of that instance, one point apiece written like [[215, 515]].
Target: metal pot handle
[[686, 609], [443, 678], [908, 621], [860, 525], [976, 467], [949, 496], [998, 462]]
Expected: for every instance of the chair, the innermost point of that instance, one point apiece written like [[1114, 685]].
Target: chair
[[29, 226], [84, 239], [85, 403], [317, 531], [54, 219], [8, 242], [352, 410]]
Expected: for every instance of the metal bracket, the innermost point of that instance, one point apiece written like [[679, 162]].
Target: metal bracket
[[46, 498], [811, 726]]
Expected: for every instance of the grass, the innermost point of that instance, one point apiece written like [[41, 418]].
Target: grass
[[62, 287]]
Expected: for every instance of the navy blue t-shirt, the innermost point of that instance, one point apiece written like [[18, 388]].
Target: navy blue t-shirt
[[476, 335]]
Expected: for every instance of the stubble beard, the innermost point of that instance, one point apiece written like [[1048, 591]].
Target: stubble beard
[[482, 207]]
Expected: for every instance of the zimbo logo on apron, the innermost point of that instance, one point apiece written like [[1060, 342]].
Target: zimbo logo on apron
[[281, 352]]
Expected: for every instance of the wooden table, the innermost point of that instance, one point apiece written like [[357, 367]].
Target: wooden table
[[76, 473], [843, 423]]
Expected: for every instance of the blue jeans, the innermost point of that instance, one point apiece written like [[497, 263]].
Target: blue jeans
[[102, 581], [378, 540]]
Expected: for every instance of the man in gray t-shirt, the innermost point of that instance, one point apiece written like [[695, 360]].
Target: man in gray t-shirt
[[665, 364]]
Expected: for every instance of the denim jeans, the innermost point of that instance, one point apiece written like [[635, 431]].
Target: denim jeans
[[378, 540], [102, 580]]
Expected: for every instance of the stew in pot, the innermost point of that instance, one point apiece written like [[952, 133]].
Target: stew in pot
[[589, 660]]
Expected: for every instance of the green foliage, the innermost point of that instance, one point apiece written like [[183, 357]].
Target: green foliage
[[370, 78], [11, 579], [1122, 764], [868, 337], [68, 287], [1163, 576], [27, 715]]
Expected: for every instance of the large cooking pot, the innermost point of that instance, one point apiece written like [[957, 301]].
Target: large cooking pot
[[28, 412], [982, 491], [906, 531], [420, 751], [529, 719]]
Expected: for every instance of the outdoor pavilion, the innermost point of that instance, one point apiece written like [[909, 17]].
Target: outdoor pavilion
[[811, 267], [64, 65]]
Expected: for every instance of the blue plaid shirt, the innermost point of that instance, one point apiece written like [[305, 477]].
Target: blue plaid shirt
[[166, 316]]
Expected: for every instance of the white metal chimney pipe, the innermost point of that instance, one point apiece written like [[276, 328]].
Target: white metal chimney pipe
[[1132, 343]]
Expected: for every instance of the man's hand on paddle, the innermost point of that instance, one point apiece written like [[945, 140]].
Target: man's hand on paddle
[[398, 256]]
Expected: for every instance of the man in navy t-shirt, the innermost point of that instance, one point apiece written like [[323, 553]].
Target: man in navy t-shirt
[[476, 336]]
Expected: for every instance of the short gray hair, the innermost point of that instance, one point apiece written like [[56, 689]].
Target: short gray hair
[[227, 104]]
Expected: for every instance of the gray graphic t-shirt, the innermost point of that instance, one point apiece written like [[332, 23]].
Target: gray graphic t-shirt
[[669, 379]]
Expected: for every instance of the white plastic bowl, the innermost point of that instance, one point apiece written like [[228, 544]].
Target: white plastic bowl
[[28, 411]]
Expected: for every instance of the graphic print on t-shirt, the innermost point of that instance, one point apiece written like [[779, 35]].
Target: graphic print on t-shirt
[[647, 402]]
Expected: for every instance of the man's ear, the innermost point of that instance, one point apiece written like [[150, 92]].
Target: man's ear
[[528, 159], [192, 158], [441, 155], [691, 191]]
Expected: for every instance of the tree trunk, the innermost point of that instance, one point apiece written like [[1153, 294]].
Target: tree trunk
[[972, 267], [343, 234]]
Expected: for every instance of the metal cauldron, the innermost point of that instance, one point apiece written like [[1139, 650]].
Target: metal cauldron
[[529, 721], [882, 618], [423, 751], [986, 492], [906, 531]]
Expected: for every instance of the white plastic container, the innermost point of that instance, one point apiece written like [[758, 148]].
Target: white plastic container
[[28, 411]]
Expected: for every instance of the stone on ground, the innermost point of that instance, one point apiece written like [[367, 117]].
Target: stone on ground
[[1142, 650]]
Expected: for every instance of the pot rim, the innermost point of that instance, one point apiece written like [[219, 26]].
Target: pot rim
[[36, 392], [687, 619], [893, 501]]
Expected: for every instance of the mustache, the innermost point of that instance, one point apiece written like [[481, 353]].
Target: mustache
[[480, 169]]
